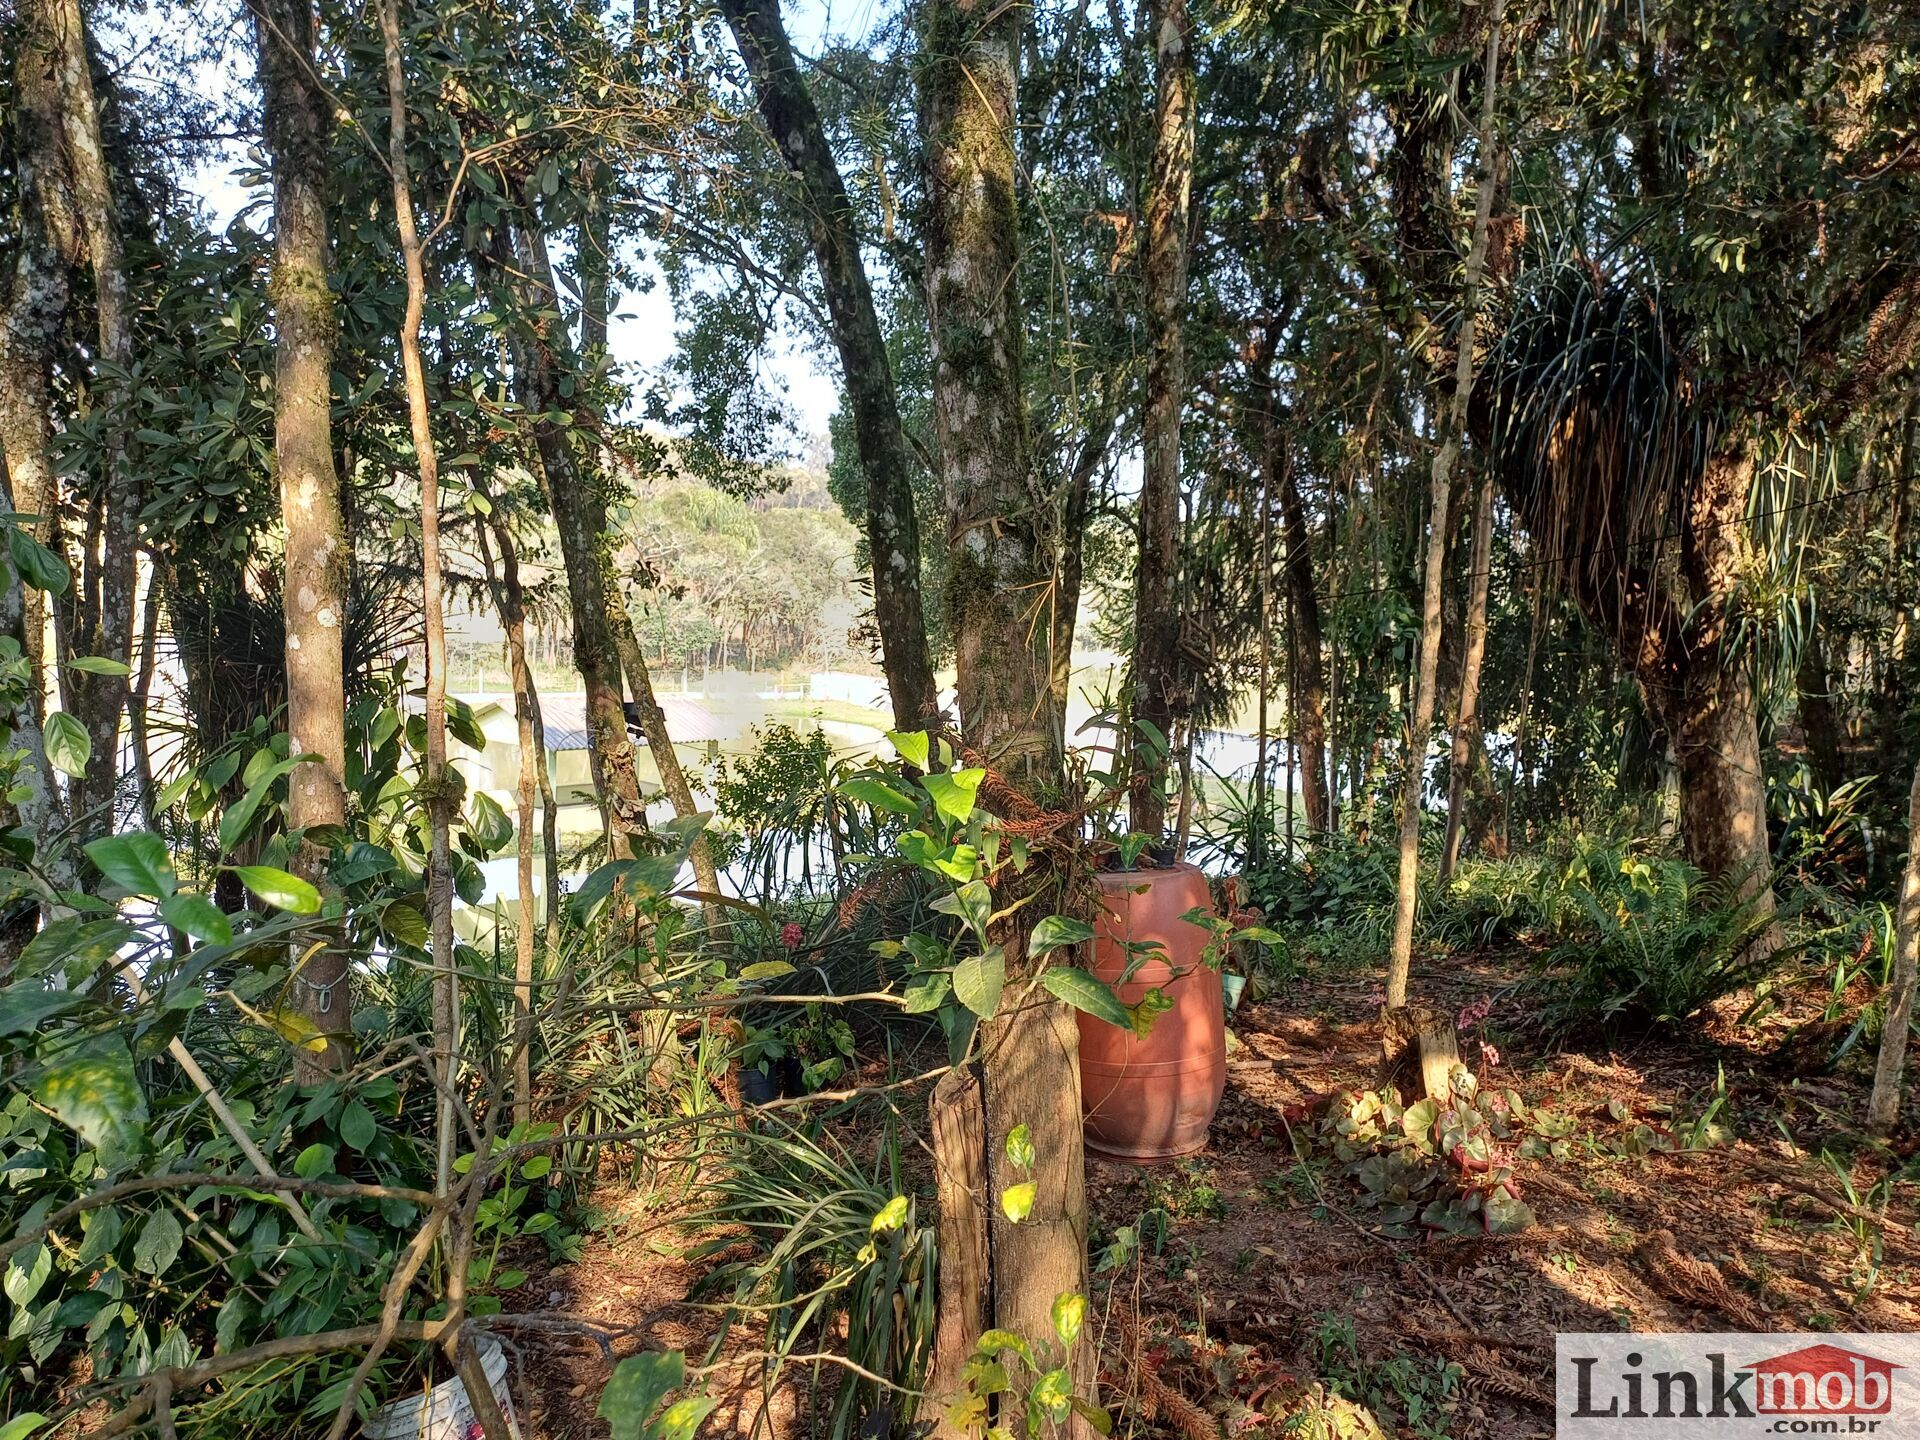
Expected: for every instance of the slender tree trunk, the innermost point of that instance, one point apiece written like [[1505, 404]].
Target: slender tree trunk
[[1467, 721], [998, 563], [1420, 721], [103, 626], [34, 295], [298, 129], [673, 777], [893, 530], [1883, 1107], [140, 698], [1310, 708], [1157, 683], [1070, 562], [580, 519], [510, 601], [1817, 719], [438, 787]]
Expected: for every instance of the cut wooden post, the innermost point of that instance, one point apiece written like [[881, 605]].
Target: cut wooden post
[[1417, 1038], [957, 1122]]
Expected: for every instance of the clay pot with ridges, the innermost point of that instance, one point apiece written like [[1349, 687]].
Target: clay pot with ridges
[[1151, 1097]]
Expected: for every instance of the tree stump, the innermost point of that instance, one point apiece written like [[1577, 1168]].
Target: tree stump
[[1416, 1039], [957, 1120]]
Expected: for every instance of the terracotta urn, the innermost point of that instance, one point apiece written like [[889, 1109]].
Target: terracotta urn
[[1151, 1097]]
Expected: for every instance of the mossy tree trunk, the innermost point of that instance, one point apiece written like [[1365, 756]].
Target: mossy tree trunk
[[1157, 685], [1452, 429], [580, 519], [893, 530], [34, 295], [298, 126], [999, 570]]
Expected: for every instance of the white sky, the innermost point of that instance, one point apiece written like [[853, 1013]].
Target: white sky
[[641, 332]]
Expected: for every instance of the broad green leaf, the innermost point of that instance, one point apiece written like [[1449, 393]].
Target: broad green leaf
[[1087, 993], [1151, 1006], [158, 1244], [681, 1420], [277, 887], [357, 1126], [27, 1271], [962, 865], [92, 1089], [76, 943], [879, 795], [98, 665], [489, 824], [1100, 1420], [638, 1385], [1016, 1201], [1020, 1146], [954, 792], [137, 862], [890, 1216], [463, 725], [199, 917], [979, 979], [23, 1425], [1053, 1393], [911, 746], [314, 1161], [972, 902], [1069, 1315], [992, 1342], [402, 920], [38, 566], [926, 994], [27, 1005], [765, 970], [68, 748], [1053, 931]]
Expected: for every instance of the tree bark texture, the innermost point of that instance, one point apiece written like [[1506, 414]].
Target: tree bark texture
[[999, 568], [580, 519], [100, 602], [1467, 717], [298, 127], [1000, 571], [438, 786], [1157, 683], [1883, 1106], [1308, 693], [893, 529], [1420, 720]]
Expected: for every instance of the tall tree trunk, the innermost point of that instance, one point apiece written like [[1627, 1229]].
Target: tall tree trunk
[[510, 600], [998, 563], [1070, 562], [438, 786], [298, 127], [1420, 720], [1310, 705], [1467, 719], [673, 777], [893, 530], [595, 281], [104, 593], [1704, 698], [1157, 682], [34, 296], [1883, 1106], [580, 518], [1818, 722]]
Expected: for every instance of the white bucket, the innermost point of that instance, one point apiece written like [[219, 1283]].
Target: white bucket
[[443, 1413]]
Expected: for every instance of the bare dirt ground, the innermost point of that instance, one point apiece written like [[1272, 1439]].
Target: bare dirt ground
[[1260, 1271]]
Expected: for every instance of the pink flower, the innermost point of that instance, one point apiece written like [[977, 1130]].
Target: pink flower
[[1489, 1056], [792, 936]]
